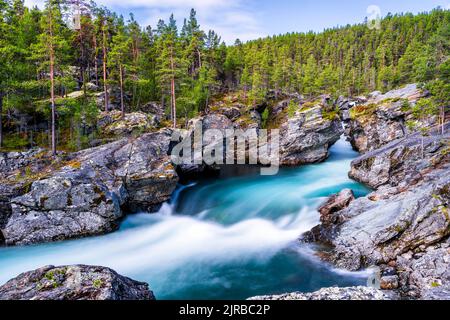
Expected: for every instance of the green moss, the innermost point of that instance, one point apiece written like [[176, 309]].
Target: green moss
[[362, 111], [292, 108], [330, 115], [27, 186], [50, 275], [309, 105], [97, 283], [435, 284], [265, 118]]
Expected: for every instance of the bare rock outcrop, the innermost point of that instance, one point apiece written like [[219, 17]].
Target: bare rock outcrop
[[89, 192], [77, 282]]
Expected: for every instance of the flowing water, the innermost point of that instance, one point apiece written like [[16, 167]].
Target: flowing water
[[228, 238]]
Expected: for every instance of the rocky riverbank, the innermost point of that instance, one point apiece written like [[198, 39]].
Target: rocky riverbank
[[86, 193], [402, 227], [352, 293], [77, 282]]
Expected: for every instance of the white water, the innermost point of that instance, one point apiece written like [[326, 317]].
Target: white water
[[230, 238]]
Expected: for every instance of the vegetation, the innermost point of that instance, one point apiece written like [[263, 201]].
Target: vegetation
[[46, 57]]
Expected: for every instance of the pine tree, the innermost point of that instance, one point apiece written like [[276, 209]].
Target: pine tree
[[170, 63], [4, 66], [49, 51], [118, 57]]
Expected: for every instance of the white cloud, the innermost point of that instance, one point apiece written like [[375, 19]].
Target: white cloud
[[32, 3], [231, 19]]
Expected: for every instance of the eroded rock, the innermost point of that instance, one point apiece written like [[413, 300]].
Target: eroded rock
[[352, 293], [77, 282], [88, 194], [382, 118]]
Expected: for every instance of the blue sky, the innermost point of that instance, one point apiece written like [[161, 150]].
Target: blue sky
[[250, 19]]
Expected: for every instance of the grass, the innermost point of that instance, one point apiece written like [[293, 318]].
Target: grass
[[363, 110]]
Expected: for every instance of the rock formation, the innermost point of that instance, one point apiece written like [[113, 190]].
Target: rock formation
[[77, 282], [88, 193], [352, 293]]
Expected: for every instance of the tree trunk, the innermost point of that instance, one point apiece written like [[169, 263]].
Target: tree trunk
[[105, 85], [95, 60], [122, 105], [52, 86], [1, 119], [173, 102], [443, 119]]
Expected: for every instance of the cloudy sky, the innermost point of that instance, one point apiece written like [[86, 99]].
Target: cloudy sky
[[250, 19]]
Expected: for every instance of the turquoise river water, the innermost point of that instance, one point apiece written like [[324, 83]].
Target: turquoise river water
[[228, 238]]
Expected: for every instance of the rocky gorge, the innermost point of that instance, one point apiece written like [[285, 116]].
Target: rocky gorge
[[402, 227]]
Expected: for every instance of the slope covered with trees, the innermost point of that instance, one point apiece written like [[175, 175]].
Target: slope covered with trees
[[62, 65]]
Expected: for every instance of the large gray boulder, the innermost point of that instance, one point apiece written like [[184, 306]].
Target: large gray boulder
[[77, 282], [307, 136], [113, 124], [14, 165], [352, 293], [88, 193]]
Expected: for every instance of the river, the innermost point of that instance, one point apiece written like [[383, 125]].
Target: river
[[228, 238]]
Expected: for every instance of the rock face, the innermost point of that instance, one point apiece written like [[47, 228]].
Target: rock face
[[307, 129], [10, 163], [334, 204], [381, 119], [426, 275], [307, 136], [74, 283], [402, 162], [352, 293], [112, 124], [377, 231], [89, 192], [403, 226]]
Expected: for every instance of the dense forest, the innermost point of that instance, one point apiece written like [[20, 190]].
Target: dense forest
[[62, 65]]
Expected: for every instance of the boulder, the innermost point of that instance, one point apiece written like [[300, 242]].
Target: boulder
[[12, 166], [78, 282], [113, 124], [89, 193], [352, 293], [334, 204], [232, 113], [154, 109], [307, 136], [329, 217]]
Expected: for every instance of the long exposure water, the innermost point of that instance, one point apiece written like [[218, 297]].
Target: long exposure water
[[228, 238]]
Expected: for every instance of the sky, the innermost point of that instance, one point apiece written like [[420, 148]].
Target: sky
[[252, 19]]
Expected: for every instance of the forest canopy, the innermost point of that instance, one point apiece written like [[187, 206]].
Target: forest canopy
[[62, 65]]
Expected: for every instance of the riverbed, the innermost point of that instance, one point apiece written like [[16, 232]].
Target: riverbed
[[231, 237]]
